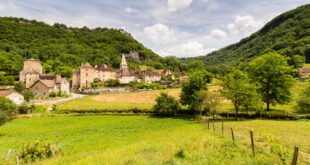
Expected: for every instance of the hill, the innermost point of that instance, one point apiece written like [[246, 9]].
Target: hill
[[288, 34], [61, 48]]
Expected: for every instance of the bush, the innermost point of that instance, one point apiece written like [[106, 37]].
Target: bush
[[6, 109], [28, 94], [52, 94], [303, 105], [35, 151], [113, 83], [59, 93], [23, 108], [166, 104]]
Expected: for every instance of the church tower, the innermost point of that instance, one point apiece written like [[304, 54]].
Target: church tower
[[123, 64]]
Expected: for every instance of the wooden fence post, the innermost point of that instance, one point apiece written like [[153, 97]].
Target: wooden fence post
[[222, 128], [208, 124], [62, 152], [52, 151], [213, 126], [232, 134], [295, 156], [252, 142], [17, 159], [8, 155]]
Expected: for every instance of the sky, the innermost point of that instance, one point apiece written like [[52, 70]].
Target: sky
[[183, 28]]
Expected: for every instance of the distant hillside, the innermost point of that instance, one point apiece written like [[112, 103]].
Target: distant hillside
[[288, 34], [61, 48]]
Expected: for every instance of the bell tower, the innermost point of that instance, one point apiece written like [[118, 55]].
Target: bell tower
[[123, 64]]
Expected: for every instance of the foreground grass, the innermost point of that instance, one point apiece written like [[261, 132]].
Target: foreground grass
[[151, 140]]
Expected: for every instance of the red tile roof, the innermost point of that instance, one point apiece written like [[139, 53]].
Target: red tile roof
[[4, 93], [304, 70]]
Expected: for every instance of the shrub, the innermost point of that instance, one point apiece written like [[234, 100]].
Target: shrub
[[23, 108], [6, 109], [166, 104], [28, 94], [303, 105], [35, 151], [59, 93], [113, 83], [52, 94]]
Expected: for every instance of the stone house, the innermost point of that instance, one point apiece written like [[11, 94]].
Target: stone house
[[31, 72], [83, 77], [167, 73], [304, 72], [104, 72], [13, 95], [42, 88]]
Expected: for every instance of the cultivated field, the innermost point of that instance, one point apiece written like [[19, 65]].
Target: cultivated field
[[121, 102], [151, 140]]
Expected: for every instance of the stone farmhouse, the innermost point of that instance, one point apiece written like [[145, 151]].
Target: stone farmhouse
[[86, 74], [13, 95], [31, 76], [304, 72]]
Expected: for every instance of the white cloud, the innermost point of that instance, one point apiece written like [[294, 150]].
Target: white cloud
[[130, 10], [189, 49], [217, 34], [174, 5], [244, 25], [160, 33]]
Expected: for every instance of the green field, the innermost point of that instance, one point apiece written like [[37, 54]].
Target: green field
[[152, 140], [306, 65]]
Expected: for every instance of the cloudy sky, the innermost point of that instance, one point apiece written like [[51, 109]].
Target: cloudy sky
[[183, 28]]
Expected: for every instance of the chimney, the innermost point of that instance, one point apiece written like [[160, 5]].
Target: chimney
[[96, 66], [82, 64]]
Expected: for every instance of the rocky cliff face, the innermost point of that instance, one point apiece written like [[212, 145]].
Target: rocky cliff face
[[133, 55]]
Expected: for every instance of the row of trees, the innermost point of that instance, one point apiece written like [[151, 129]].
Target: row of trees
[[267, 79]]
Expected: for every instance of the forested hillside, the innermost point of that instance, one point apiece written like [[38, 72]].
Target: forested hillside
[[61, 48], [288, 34]]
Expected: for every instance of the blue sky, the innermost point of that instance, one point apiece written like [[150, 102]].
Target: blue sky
[[183, 28]]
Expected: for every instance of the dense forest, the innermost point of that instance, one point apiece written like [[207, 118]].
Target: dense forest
[[61, 49], [287, 34]]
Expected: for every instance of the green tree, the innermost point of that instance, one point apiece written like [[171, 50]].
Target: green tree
[[6, 109], [198, 81], [238, 89], [273, 76], [303, 102], [166, 104], [19, 87], [212, 101], [28, 94], [297, 61]]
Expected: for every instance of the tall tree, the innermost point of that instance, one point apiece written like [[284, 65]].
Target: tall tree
[[198, 81], [273, 76], [238, 88]]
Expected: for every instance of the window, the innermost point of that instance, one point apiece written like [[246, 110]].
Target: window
[[44, 93], [36, 93], [36, 88], [86, 74]]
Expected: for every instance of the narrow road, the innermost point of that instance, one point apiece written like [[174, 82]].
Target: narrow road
[[74, 96]]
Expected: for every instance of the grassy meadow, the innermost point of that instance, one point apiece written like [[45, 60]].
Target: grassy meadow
[[145, 101], [152, 140]]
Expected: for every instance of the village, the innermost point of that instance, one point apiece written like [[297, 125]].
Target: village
[[43, 85]]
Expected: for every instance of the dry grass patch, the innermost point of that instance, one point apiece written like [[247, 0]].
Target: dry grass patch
[[137, 97]]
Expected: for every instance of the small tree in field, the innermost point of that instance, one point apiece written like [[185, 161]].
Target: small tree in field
[[198, 81], [303, 103], [166, 104], [6, 108], [198, 102], [274, 78], [238, 89], [211, 102]]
